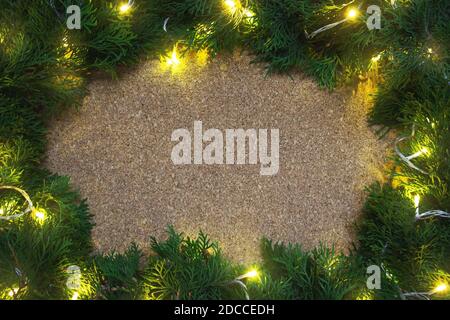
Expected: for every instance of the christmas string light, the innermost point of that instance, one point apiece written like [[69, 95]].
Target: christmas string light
[[75, 296], [439, 289], [125, 7], [251, 274], [428, 214], [39, 215], [232, 6], [351, 15], [407, 159], [12, 293], [173, 60]]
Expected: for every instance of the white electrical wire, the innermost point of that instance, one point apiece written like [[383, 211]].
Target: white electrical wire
[[418, 295], [27, 198], [244, 287], [239, 282], [329, 26], [430, 214], [166, 20], [407, 159]]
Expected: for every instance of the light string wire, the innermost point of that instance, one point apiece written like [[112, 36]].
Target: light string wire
[[331, 25], [30, 208], [407, 159], [243, 286], [238, 281], [430, 214], [423, 295], [166, 21]]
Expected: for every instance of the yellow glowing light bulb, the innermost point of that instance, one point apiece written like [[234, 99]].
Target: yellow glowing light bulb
[[424, 150], [124, 8], [13, 292], [39, 215], [376, 58], [416, 200], [430, 50], [248, 13], [440, 288], [230, 4], [173, 60], [251, 274], [75, 296], [352, 13]]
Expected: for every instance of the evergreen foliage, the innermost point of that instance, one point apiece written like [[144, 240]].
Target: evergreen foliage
[[44, 68]]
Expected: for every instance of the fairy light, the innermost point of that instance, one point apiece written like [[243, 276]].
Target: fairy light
[[125, 7], [231, 4], [376, 58], [13, 292], [440, 288], [173, 59], [248, 13], [39, 215], [352, 13], [407, 159], [428, 214], [252, 274], [75, 296], [416, 201]]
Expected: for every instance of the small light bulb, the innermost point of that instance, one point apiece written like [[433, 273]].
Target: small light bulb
[[430, 50], [352, 13], [251, 274], [231, 4], [13, 292], [124, 8], [39, 215], [248, 13], [376, 58], [173, 60], [440, 288], [416, 200], [75, 296]]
